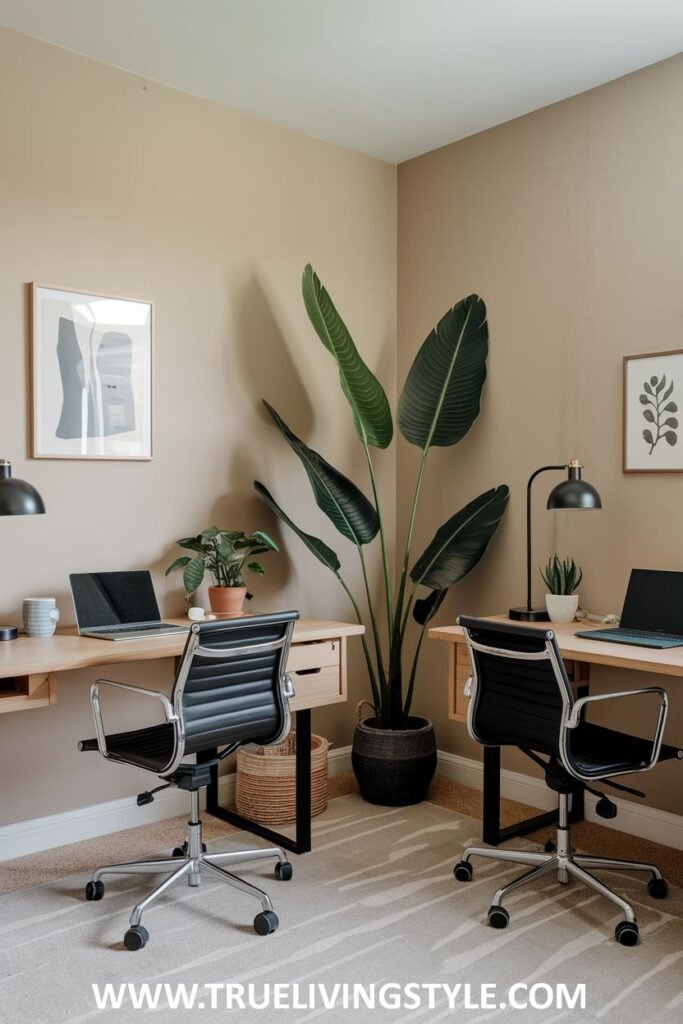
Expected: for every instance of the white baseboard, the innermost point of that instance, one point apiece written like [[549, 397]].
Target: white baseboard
[[38, 834], [635, 819]]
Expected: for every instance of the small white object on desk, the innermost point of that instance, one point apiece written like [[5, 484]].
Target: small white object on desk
[[198, 615]]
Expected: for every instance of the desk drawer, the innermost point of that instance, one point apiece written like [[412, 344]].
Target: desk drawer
[[20, 693], [317, 673]]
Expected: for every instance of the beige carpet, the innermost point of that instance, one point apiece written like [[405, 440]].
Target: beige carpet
[[375, 902]]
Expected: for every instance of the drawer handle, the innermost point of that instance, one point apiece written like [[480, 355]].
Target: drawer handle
[[307, 671]]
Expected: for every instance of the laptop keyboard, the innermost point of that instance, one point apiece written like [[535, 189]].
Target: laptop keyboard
[[644, 634], [141, 629]]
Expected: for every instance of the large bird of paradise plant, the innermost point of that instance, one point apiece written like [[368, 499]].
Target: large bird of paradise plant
[[439, 404]]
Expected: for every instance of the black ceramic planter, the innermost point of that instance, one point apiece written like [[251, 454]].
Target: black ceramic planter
[[394, 766]]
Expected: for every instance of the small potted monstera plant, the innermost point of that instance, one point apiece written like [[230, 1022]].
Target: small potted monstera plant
[[226, 555], [394, 752]]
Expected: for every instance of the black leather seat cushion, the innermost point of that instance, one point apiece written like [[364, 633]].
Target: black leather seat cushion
[[597, 751], [149, 748]]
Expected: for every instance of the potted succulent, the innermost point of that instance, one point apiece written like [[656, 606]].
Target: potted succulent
[[394, 752], [562, 577], [225, 555]]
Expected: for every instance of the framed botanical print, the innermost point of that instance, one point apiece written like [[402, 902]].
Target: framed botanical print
[[653, 397], [91, 363]]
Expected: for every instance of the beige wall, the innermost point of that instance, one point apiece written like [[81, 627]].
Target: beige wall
[[109, 183], [568, 223]]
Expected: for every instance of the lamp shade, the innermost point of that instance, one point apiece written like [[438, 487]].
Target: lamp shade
[[17, 497], [574, 492]]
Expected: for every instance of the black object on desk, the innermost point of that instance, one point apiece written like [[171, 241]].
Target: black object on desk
[[17, 498], [572, 493], [653, 611]]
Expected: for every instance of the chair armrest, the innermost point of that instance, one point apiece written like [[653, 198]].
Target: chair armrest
[[169, 713], [577, 710]]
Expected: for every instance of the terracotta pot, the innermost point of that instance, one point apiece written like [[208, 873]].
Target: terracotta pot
[[227, 600]]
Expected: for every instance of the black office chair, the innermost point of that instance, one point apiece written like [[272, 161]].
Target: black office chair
[[521, 696], [230, 688]]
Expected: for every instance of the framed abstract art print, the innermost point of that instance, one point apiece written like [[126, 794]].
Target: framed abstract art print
[[91, 361], [653, 398]]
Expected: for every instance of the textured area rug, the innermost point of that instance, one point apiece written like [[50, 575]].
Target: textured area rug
[[371, 919]]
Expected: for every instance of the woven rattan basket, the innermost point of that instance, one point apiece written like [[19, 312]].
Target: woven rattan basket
[[266, 780]]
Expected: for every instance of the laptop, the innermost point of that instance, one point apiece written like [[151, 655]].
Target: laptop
[[117, 606], [653, 611]]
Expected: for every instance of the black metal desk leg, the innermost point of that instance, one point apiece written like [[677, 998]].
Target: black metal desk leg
[[303, 781], [492, 833], [491, 827], [302, 842]]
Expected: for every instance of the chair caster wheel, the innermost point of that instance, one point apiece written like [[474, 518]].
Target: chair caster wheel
[[266, 922], [94, 890], [463, 871], [657, 888], [498, 917], [136, 937], [181, 851], [627, 933], [283, 871], [550, 847]]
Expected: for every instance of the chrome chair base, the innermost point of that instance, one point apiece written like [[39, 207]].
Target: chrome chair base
[[566, 864], [187, 863]]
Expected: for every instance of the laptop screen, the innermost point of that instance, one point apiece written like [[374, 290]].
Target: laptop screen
[[113, 598], [654, 601]]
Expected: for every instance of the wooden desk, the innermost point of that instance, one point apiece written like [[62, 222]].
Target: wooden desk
[[579, 654], [30, 667]]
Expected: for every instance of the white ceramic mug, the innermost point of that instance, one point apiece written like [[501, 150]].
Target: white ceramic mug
[[40, 615]]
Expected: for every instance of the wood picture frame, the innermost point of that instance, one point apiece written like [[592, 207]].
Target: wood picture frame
[[652, 403], [92, 362]]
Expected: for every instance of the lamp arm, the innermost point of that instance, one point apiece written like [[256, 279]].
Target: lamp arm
[[543, 469]]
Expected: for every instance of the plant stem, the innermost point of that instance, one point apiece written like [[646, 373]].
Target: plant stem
[[413, 671], [409, 538], [409, 605], [366, 649], [375, 632], [388, 581]]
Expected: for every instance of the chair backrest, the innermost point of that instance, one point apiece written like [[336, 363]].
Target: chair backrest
[[229, 682], [520, 689]]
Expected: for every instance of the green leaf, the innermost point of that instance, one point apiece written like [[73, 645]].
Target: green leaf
[[209, 533], [194, 574], [371, 412], [426, 608], [316, 546], [265, 539], [461, 541], [342, 502], [178, 564], [191, 543], [441, 395], [226, 549], [256, 567]]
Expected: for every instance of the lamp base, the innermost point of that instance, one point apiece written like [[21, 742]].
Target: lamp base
[[529, 615]]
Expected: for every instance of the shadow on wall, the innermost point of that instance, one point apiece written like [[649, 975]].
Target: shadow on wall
[[267, 367]]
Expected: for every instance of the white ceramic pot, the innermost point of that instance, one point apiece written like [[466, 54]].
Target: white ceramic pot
[[561, 607]]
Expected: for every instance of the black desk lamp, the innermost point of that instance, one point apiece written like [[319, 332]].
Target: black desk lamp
[[571, 493], [17, 498]]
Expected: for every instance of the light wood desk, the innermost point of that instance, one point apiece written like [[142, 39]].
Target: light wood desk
[[30, 669], [579, 654]]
